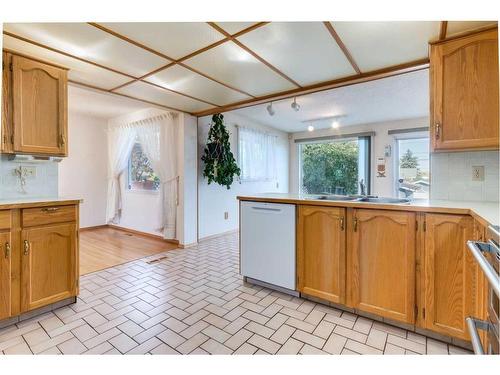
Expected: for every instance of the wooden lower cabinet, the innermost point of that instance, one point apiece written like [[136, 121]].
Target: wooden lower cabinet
[[381, 263], [5, 274], [49, 265], [321, 252], [449, 274]]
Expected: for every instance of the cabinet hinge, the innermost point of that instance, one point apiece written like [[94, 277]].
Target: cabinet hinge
[[423, 312], [416, 312], [10, 67], [12, 139], [425, 226]]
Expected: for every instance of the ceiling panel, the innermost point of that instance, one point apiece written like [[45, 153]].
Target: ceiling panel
[[78, 70], [235, 27], [304, 51], [455, 27], [181, 79], [90, 43], [376, 45], [232, 65], [157, 95], [174, 39]]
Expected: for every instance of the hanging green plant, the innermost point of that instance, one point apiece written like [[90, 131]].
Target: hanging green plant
[[220, 165]]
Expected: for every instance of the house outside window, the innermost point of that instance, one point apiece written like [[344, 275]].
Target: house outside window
[[412, 169], [141, 175]]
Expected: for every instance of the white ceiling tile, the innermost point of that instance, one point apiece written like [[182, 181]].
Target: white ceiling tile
[[78, 71], [232, 65], [304, 51], [90, 43], [174, 39], [235, 27], [376, 45], [181, 79], [455, 27], [157, 95]]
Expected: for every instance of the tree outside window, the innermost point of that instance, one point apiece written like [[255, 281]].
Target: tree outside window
[[141, 174]]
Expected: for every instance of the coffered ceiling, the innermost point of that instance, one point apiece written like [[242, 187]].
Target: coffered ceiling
[[200, 68]]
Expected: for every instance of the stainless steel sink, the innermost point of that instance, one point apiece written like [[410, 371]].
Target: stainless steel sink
[[334, 197], [384, 200]]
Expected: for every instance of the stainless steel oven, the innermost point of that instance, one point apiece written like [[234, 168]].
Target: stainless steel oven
[[487, 255]]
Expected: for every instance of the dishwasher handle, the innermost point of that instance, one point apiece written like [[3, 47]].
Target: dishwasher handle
[[474, 325], [477, 249], [266, 209]]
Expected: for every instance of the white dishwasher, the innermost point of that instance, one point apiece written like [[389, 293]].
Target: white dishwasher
[[267, 243]]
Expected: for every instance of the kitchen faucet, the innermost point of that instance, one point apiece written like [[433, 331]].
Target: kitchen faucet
[[362, 187]]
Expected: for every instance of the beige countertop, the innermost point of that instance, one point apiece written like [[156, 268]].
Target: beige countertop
[[38, 202], [488, 213]]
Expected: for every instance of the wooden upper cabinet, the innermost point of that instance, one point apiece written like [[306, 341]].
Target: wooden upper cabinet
[[39, 107], [464, 93], [381, 263], [5, 274], [449, 274], [49, 260], [321, 252]]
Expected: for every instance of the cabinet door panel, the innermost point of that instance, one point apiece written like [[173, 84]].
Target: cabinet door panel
[[5, 275], [321, 252], [449, 274], [39, 107], [6, 131], [464, 91], [49, 265], [381, 263]]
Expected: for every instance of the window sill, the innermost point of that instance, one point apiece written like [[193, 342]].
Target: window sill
[[144, 192]]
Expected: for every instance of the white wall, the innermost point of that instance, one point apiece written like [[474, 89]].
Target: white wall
[[213, 199], [383, 186], [141, 210], [451, 176], [83, 173]]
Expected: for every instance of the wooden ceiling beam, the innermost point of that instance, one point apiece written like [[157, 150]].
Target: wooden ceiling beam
[[127, 96], [242, 46], [322, 86], [180, 60], [342, 46], [442, 30]]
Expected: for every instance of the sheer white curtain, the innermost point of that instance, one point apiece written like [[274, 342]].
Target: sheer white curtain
[[157, 138], [120, 142], [256, 154]]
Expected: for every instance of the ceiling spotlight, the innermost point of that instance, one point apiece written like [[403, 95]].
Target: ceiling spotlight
[[295, 106], [310, 128], [335, 124], [270, 109]]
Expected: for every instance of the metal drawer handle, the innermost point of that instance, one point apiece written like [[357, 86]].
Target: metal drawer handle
[[438, 130], [7, 250], [50, 209], [355, 224], [473, 325], [477, 248], [341, 223], [26, 247]]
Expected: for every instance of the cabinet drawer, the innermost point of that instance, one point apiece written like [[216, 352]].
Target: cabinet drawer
[[5, 221], [48, 215]]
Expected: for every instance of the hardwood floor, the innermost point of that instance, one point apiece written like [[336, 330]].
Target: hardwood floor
[[102, 248]]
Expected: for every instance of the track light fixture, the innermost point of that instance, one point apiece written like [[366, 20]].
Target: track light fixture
[[295, 106], [270, 109], [310, 128]]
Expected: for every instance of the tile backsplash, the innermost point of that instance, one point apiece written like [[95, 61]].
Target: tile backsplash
[[452, 176], [42, 183]]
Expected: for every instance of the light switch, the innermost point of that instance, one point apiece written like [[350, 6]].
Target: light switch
[[478, 173]]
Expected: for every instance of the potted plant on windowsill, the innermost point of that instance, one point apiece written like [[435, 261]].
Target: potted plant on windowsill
[[220, 165]]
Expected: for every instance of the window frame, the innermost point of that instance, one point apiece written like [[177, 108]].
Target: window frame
[[128, 182], [366, 138], [420, 134]]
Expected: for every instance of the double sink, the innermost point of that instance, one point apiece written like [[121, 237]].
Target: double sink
[[362, 198]]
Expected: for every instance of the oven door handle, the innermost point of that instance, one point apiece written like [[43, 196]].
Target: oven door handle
[[474, 325], [477, 248]]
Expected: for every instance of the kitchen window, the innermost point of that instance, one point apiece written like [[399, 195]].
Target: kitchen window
[[256, 155], [334, 165], [412, 169], [141, 175]]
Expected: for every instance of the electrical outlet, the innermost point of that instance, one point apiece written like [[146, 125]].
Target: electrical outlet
[[226, 215], [478, 173]]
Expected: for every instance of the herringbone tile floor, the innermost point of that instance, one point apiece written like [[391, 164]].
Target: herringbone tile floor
[[194, 302]]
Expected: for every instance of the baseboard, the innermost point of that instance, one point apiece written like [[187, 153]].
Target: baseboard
[[218, 235], [184, 246], [93, 227], [143, 234]]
